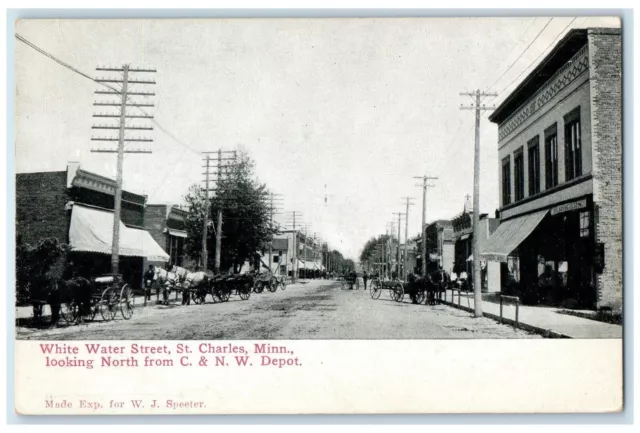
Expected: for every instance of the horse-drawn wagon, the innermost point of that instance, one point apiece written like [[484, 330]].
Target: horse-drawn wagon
[[223, 286], [418, 288], [80, 299]]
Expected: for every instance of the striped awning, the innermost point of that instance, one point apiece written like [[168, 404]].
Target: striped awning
[[176, 233], [509, 235], [91, 230]]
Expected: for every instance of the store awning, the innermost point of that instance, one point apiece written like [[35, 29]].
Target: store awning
[[91, 230], [176, 233], [509, 235], [301, 264]]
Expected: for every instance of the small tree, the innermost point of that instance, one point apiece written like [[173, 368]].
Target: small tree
[[37, 265]]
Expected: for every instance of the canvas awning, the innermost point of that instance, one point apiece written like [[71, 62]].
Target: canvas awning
[[176, 233], [91, 230], [301, 264], [509, 235]]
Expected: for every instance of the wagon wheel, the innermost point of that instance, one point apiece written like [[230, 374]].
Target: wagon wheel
[[344, 285], [398, 292], [392, 292], [108, 304], [375, 290], [244, 292], [225, 294], [69, 312], [258, 286], [273, 285], [283, 284], [127, 302]]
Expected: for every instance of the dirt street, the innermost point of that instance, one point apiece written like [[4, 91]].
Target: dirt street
[[317, 309]]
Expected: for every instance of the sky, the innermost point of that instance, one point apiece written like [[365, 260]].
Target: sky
[[350, 108]]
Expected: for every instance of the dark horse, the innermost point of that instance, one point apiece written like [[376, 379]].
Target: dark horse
[[76, 292], [437, 283]]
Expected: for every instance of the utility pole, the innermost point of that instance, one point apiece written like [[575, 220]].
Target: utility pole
[[221, 169], [425, 185], [295, 214], [400, 214], [272, 211], [477, 276], [205, 217], [406, 236], [124, 94]]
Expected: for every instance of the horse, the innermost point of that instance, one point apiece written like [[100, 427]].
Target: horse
[[165, 279], [76, 291], [437, 282], [192, 281]]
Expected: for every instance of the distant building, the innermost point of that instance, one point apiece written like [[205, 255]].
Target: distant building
[[167, 225], [463, 247], [76, 207], [440, 244], [293, 254], [560, 147]]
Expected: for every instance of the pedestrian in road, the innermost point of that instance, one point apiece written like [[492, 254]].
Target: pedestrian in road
[[365, 277], [148, 281]]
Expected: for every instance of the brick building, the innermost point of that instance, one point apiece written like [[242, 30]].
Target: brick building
[[440, 245], [167, 226], [560, 150], [463, 236], [76, 207]]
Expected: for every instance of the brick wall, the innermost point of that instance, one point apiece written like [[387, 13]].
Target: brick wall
[[155, 223], [40, 201], [605, 53]]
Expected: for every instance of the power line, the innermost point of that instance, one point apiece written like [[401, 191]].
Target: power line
[[538, 58], [522, 53], [77, 71]]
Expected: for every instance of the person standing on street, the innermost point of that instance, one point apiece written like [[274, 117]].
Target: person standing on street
[[365, 277]]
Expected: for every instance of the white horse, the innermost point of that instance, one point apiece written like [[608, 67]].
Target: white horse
[[198, 282], [166, 280]]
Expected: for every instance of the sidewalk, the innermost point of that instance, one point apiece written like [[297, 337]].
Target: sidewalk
[[544, 320]]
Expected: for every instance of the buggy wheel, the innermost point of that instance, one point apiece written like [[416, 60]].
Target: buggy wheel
[[244, 293], [344, 285], [108, 305], [258, 287], [225, 295], [69, 312], [283, 285], [398, 293], [273, 285], [392, 292], [375, 290], [127, 302], [419, 297]]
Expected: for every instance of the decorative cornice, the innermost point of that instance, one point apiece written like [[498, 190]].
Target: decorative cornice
[[568, 73]]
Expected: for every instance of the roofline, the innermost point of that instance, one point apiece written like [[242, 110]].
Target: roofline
[[570, 34]]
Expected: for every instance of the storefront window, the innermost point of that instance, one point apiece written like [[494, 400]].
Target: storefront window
[[513, 266], [551, 156], [573, 145], [584, 224], [518, 168]]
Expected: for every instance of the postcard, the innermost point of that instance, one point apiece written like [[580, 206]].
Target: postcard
[[311, 216]]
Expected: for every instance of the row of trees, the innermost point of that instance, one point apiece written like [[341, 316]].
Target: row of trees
[[371, 252], [246, 227]]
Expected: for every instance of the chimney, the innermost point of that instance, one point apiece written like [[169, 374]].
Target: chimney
[[72, 169]]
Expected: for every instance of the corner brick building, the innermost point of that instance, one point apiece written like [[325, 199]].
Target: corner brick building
[[560, 152], [76, 207]]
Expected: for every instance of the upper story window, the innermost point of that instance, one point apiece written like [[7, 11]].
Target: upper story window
[[506, 181], [573, 145], [534, 165], [551, 156], [518, 172]]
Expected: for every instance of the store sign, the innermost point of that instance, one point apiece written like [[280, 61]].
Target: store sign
[[567, 207]]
